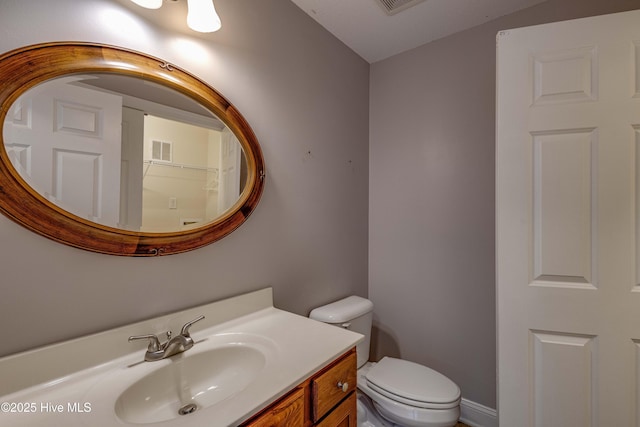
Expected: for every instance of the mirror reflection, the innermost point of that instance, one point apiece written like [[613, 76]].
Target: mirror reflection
[[125, 152]]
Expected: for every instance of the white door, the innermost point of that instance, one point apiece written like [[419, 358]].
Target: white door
[[65, 142], [568, 197]]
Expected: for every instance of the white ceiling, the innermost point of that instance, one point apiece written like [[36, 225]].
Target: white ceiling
[[365, 27]]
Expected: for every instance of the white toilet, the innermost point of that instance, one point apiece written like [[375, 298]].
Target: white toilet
[[394, 392]]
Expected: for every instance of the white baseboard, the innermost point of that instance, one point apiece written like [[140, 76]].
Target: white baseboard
[[477, 415]]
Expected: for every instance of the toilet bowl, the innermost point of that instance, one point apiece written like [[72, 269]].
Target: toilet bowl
[[409, 394], [392, 392]]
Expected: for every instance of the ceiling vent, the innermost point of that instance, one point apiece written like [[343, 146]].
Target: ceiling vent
[[391, 7]]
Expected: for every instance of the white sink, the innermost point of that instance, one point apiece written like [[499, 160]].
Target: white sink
[[190, 383], [218, 371]]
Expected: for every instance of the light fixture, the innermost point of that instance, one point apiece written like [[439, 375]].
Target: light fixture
[[149, 4], [201, 15]]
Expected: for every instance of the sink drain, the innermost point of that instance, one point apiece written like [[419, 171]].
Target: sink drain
[[188, 409]]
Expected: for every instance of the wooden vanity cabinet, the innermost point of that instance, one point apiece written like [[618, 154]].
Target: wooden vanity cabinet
[[326, 399]]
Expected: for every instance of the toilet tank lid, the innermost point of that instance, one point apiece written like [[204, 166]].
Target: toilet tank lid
[[344, 310]]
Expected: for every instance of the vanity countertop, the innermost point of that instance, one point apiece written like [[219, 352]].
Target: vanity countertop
[[295, 348]]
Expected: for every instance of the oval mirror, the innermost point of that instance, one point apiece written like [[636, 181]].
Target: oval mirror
[[121, 153]]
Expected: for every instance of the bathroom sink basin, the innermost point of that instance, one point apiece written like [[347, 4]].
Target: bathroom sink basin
[[190, 382]]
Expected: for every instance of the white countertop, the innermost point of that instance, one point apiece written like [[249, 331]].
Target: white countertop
[[295, 345]]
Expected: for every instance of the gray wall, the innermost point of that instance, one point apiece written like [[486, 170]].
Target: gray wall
[[305, 95], [431, 198]]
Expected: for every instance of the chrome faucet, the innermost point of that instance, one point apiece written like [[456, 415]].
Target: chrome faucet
[[175, 345]]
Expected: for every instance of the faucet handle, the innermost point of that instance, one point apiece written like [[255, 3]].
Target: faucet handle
[[154, 342], [185, 328]]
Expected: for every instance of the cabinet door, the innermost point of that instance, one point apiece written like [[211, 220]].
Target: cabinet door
[[343, 416], [289, 412], [330, 387]]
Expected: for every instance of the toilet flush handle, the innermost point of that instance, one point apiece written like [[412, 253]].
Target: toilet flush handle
[[344, 386]]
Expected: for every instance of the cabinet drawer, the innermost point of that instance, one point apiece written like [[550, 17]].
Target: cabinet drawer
[[288, 412], [333, 385]]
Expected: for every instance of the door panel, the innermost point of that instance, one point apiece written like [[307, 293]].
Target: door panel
[[563, 190], [563, 379]]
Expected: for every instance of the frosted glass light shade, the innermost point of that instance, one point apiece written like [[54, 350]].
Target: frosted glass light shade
[[202, 16], [149, 4]]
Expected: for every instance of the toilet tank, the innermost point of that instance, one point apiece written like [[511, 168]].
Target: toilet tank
[[354, 313]]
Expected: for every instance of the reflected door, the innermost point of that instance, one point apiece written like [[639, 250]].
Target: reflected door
[[65, 141], [567, 223]]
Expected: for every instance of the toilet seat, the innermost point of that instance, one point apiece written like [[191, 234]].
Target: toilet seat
[[412, 384]]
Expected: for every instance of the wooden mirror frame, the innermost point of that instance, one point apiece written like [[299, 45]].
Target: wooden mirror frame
[[26, 67]]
